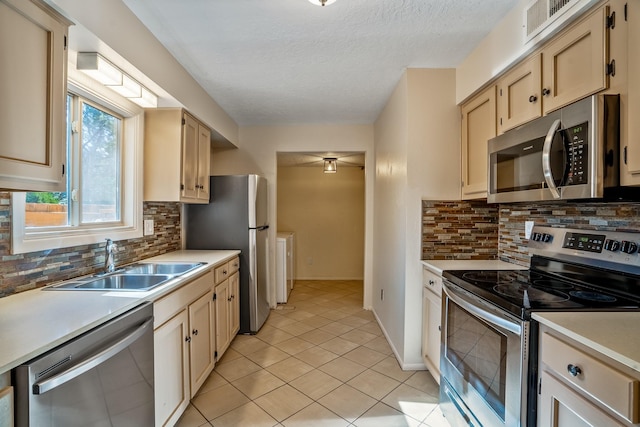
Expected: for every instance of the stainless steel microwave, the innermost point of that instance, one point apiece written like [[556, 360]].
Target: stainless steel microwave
[[571, 153]]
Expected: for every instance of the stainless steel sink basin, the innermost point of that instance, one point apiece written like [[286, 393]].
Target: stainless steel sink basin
[[120, 282], [135, 277], [160, 268]]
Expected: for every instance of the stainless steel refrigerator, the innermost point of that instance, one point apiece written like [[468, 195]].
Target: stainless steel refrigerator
[[236, 218]]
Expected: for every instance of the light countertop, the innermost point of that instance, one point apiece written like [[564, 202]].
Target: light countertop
[[438, 266], [614, 334], [36, 321]]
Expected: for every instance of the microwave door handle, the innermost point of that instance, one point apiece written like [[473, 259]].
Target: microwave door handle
[[546, 159]]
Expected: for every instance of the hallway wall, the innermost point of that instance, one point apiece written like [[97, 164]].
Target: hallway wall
[[326, 211]]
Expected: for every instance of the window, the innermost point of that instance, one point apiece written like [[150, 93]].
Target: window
[[103, 165]]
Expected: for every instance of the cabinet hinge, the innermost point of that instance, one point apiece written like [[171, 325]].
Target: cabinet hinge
[[500, 92], [540, 386], [63, 169], [625, 12], [215, 297], [184, 122], [624, 154], [500, 121], [65, 42], [215, 355], [611, 68], [182, 186], [611, 20]]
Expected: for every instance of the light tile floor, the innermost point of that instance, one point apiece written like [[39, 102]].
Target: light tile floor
[[320, 360]]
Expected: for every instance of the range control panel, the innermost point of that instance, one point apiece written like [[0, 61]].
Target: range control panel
[[603, 247]]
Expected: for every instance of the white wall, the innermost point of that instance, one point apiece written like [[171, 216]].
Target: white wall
[[326, 212], [417, 157], [118, 28], [257, 153]]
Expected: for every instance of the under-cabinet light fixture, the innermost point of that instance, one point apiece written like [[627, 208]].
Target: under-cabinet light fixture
[[97, 67], [330, 165]]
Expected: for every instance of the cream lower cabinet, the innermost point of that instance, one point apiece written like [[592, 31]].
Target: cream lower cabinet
[[184, 345], [580, 387], [431, 320], [227, 302], [33, 89], [478, 127]]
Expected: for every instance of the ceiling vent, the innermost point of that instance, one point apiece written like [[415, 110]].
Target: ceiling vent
[[544, 17]]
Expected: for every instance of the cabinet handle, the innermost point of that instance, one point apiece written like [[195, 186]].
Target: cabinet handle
[[224, 272], [194, 332], [432, 282], [546, 91], [533, 98], [574, 370], [229, 299], [188, 339]]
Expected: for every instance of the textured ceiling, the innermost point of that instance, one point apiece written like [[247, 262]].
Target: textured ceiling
[[290, 62]]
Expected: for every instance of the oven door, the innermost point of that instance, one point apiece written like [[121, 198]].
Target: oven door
[[484, 362]]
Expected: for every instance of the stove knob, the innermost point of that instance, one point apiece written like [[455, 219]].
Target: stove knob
[[628, 247], [611, 245], [536, 237], [546, 237]]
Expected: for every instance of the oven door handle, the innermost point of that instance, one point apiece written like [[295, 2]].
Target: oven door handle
[[546, 159], [93, 361], [499, 320]]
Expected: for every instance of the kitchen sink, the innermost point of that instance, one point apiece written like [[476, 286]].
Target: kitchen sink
[[160, 268], [135, 277]]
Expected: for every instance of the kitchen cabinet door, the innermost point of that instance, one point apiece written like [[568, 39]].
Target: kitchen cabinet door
[[234, 305], [202, 334], [431, 318], [574, 63], [33, 90], [633, 100], [177, 153], [560, 406], [478, 126], [519, 98], [171, 369], [223, 336]]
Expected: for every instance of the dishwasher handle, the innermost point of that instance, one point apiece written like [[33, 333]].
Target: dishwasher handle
[[91, 362]]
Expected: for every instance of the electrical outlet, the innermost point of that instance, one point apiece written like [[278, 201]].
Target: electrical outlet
[[148, 227], [528, 227]]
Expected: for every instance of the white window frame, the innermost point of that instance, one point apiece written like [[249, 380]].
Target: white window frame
[[25, 240]]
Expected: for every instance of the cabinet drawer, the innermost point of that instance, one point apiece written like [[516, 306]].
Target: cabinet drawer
[[222, 272], [599, 380], [432, 281], [166, 307], [234, 265]]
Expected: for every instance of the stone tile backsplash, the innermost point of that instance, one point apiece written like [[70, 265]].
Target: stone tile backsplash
[[478, 230], [459, 230], [31, 270]]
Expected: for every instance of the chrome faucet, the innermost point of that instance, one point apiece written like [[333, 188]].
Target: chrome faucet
[[109, 250]]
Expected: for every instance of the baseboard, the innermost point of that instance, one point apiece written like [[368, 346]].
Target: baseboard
[[403, 366]]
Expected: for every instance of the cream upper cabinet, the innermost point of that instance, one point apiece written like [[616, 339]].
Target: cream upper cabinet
[[478, 126], [632, 147], [33, 87], [519, 99], [574, 64], [177, 150]]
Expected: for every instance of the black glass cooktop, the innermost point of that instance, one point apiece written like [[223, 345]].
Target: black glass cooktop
[[524, 291]]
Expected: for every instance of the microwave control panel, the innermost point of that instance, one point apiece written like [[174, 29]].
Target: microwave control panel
[[578, 153]]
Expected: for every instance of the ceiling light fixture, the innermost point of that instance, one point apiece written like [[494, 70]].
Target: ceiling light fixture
[[322, 2], [330, 165], [97, 67]]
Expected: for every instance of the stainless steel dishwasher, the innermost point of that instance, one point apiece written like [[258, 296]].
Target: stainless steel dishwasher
[[104, 377]]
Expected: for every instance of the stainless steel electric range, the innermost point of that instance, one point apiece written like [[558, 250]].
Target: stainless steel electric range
[[489, 341]]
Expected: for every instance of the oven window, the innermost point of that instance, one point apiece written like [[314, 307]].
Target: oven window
[[479, 353]]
